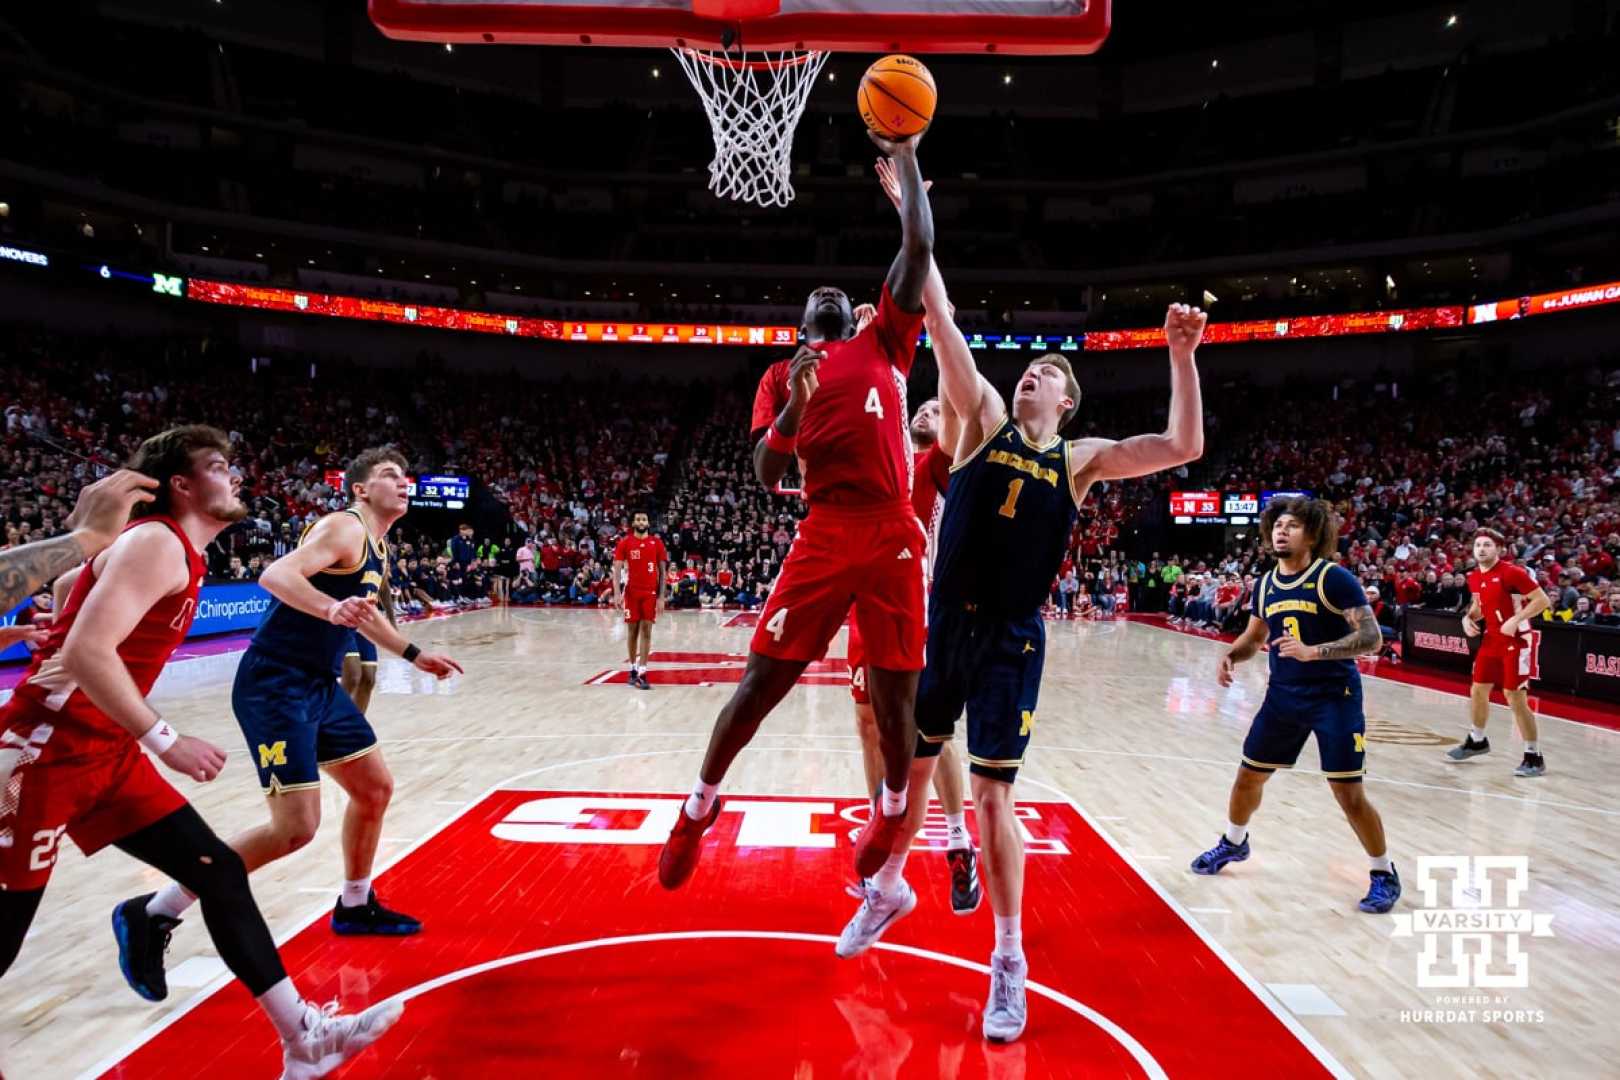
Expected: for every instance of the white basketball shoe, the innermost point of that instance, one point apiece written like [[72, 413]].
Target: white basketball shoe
[[328, 1038], [874, 917]]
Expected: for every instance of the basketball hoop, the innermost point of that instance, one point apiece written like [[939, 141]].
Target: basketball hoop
[[754, 104]]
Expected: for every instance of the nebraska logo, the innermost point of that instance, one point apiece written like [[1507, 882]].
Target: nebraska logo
[[1598, 664], [1451, 643]]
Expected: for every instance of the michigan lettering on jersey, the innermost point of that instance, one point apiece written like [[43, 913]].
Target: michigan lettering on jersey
[[1307, 606], [1024, 465]]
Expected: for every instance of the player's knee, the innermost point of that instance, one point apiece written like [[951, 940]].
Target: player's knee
[[294, 831], [992, 799], [374, 795], [1350, 792]]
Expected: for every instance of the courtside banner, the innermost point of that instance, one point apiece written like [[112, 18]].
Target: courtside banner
[[1580, 660], [238, 605]]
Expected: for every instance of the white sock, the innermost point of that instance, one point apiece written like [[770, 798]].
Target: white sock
[[1010, 936], [894, 802], [356, 893], [1235, 833], [1478, 734], [701, 801], [1381, 862], [171, 900], [284, 1007], [1531, 747], [888, 878], [957, 824]]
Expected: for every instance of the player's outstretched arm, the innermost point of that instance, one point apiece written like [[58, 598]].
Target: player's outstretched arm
[[910, 267], [1183, 438], [98, 517], [336, 540], [961, 387]]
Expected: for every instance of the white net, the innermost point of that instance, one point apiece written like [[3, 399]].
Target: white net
[[753, 105]]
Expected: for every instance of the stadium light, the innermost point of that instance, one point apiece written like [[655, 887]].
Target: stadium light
[[1451, 20]]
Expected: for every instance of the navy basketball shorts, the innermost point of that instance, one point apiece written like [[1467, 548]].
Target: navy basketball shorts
[[1290, 714], [360, 646], [990, 667], [295, 721]]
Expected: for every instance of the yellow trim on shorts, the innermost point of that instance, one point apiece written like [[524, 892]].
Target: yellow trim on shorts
[[349, 757], [937, 738], [1345, 775], [276, 787], [996, 763], [1263, 764]]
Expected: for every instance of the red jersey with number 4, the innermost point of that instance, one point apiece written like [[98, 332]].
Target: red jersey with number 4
[[641, 556], [854, 443], [48, 687], [1499, 590]]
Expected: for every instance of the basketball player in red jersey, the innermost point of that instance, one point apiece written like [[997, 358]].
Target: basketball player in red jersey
[[841, 407], [69, 760], [639, 565], [1506, 598], [931, 475]]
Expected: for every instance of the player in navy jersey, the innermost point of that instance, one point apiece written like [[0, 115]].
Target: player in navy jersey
[[1015, 488], [1316, 617], [296, 718]]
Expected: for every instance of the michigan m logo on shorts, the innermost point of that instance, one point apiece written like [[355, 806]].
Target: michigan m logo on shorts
[[274, 754]]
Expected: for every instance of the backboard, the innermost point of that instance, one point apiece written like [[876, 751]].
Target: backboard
[[869, 26]]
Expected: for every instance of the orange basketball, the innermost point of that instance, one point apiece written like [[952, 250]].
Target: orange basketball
[[896, 97]]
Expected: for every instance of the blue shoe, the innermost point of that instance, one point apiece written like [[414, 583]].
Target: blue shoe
[[1211, 861], [142, 941], [372, 918], [1385, 890]]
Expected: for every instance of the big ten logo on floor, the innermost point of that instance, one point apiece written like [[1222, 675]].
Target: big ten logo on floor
[[1388, 731], [1473, 902], [760, 823]]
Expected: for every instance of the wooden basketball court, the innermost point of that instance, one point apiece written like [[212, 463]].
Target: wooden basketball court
[[547, 951]]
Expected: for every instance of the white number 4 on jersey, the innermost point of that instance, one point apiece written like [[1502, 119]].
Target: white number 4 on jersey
[[874, 404]]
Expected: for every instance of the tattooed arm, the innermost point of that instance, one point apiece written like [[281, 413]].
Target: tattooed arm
[[1364, 637], [98, 517]]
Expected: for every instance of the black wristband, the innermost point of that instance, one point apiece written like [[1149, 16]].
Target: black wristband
[[411, 653]]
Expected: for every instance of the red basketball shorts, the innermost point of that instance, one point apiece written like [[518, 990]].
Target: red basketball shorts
[[857, 667], [1505, 665], [640, 607], [47, 788], [874, 561]]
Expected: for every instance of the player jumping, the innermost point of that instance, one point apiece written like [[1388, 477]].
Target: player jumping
[[841, 407], [639, 566], [70, 763], [1316, 616], [1506, 598], [1015, 491], [297, 719]]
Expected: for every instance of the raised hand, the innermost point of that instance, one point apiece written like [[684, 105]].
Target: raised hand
[[103, 508], [1184, 330], [864, 316], [890, 181], [905, 145]]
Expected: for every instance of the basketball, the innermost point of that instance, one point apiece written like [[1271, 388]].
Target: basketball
[[897, 96]]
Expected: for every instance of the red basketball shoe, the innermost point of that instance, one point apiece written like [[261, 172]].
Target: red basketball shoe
[[680, 855]]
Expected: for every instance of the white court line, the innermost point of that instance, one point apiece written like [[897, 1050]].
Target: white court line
[[1210, 910], [151, 1031], [1265, 996], [1145, 857], [1118, 1034], [1449, 694]]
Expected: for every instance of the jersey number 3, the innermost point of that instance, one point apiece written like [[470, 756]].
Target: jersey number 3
[[1291, 625]]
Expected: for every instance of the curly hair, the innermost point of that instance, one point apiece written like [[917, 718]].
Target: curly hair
[[1321, 525]]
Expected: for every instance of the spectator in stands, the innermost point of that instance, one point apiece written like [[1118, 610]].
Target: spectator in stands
[[1608, 614], [1067, 587], [1381, 611], [1583, 612]]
